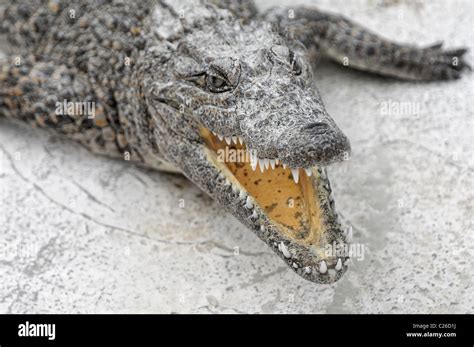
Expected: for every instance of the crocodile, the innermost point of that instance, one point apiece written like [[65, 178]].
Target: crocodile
[[214, 90]]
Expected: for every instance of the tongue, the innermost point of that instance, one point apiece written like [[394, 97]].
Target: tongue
[[293, 206]]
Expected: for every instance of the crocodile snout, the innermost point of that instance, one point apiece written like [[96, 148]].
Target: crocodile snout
[[318, 143]]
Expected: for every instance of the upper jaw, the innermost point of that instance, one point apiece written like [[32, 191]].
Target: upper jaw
[[323, 150], [302, 145], [308, 256], [327, 150]]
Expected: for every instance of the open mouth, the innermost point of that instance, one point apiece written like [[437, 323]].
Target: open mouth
[[298, 202]]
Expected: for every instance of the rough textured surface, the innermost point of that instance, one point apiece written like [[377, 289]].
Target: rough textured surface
[[80, 233]]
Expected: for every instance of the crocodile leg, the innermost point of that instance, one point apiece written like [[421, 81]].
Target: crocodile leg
[[52, 96], [356, 47]]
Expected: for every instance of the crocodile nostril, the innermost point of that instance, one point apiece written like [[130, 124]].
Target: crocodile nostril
[[316, 128]]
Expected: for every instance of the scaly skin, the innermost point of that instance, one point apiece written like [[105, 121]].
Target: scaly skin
[[165, 76]]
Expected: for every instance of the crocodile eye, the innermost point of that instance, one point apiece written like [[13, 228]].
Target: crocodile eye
[[217, 84], [287, 57]]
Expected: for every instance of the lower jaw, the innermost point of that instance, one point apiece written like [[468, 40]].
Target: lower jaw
[[295, 219]]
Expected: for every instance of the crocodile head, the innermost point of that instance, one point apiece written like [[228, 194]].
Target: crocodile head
[[237, 112]]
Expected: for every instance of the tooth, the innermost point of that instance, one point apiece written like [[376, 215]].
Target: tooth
[[296, 173], [266, 163], [220, 137], [285, 250], [262, 166], [249, 203], [234, 139], [272, 163], [240, 140], [262, 227], [235, 189], [307, 269], [339, 265], [213, 133], [348, 233], [227, 182], [277, 161], [331, 197], [284, 165], [253, 160], [228, 140], [254, 214], [221, 175], [323, 174], [308, 172], [323, 267], [242, 194]]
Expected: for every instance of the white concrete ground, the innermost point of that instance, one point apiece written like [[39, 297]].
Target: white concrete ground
[[81, 233]]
